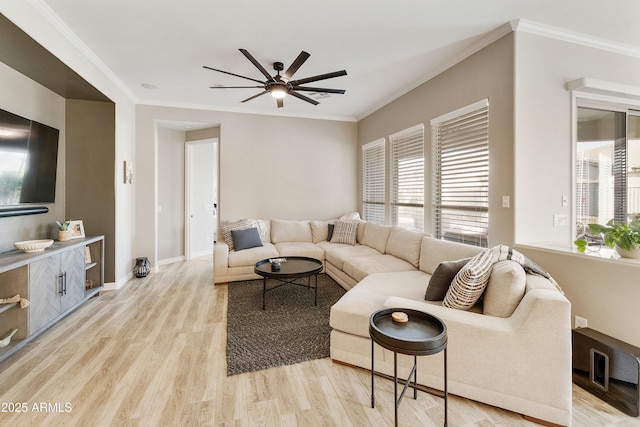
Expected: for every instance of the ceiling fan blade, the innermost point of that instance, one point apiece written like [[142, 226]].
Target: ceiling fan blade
[[318, 77], [280, 102], [253, 60], [304, 98], [236, 87], [254, 96], [232, 74], [295, 65], [319, 89]]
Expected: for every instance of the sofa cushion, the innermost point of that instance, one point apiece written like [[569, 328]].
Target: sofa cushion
[[376, 236], [434, 251], [405, 244], [442, 278], [505, 289], [470, 282], [249, 257], [345, 232], [284, 230], [319, 231], [227, 228], [351, 313], [361, 267], [336, 253], [307, 249], [246, 239]]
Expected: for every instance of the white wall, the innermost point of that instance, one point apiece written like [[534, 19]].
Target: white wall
[[543, 126], [270, 167], [605, 292]]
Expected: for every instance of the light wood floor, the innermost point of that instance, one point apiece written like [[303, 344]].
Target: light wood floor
[[153, 354]]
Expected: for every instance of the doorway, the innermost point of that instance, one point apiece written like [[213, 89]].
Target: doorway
[[201, 197]]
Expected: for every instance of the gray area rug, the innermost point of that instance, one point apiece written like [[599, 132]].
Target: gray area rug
[[290, 330]]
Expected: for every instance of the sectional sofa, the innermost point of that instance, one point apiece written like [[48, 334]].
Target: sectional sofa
[[510, 349]]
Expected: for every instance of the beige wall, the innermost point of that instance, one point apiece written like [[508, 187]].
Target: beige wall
[[24, 97], [270, 167], [486, 74], [171, 188]]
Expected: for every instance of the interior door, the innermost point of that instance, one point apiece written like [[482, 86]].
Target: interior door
[[202, 172]]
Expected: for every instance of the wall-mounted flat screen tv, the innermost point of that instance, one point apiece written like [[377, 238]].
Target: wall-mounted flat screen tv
[[28, 160]]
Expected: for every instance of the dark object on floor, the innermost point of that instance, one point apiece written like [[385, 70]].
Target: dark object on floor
[[608, 368], [142, 267]]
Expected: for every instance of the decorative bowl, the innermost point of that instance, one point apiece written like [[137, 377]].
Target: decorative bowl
[[33, 245]]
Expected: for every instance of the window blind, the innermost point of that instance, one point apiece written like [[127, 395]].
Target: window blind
[[461, 175], [373, 181], [407, 178]]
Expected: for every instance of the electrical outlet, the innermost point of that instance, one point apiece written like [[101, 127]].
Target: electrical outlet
[[580, 322], [560, 220]]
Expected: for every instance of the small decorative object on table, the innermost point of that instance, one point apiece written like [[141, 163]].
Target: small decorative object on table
[[33, 245], [64, 233], [399, 317], [6, 340], [142, 267]]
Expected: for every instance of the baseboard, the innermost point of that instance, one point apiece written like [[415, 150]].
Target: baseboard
[[171, 260]]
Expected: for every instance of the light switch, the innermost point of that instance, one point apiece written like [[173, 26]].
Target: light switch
[[505, 201], [565, 201]]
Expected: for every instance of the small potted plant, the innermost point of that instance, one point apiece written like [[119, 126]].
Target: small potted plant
[[64, 233], [624, 237]]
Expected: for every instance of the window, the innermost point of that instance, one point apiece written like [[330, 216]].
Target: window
[[607, 165], [373, 181], [461, 175], [407, 178]]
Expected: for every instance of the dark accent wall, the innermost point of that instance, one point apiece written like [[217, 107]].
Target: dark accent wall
[[90, 172]]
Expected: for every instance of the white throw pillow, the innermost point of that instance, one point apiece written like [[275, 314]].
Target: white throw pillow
[[345, 232], [470, 282], [505, 289]]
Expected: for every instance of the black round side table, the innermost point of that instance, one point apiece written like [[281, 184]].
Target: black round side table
[[422, 335]]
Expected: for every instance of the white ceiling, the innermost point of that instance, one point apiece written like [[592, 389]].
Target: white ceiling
[[386, 47]]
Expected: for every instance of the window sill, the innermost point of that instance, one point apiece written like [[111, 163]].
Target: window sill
[[604, 253]]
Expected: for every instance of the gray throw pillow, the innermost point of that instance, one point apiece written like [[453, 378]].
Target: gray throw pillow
[[246, 239], [442, 277]]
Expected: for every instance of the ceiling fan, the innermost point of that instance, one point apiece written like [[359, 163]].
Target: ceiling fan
[[280, 86]]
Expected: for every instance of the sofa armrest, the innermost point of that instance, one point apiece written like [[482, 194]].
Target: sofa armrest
[[527, 355], [220, 259]]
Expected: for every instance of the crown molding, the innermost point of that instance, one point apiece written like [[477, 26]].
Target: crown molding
[[561, 34], [49, 15]]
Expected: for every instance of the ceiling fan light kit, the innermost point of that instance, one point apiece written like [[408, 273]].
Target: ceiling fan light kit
[[279, 86]]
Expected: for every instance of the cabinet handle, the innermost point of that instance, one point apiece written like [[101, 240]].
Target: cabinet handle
[[60, 284], [64, 280]]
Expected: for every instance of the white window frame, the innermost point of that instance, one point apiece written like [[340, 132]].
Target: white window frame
[[473, 221], [406, 190], [374, 181]]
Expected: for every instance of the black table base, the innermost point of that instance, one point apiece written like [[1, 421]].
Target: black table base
[[283, 282], [426, 335]]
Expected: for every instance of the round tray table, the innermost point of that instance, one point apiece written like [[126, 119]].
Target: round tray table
[[422, 335], [294, 268]]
